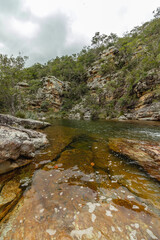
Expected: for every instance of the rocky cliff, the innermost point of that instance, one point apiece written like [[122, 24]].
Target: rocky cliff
[[121, 89], [119, 79], [47, 96], [50, 95]]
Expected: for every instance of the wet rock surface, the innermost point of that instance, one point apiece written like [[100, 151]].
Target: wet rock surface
[[146, 154], [59, 210], [84, 192], [20, 122], [10, 193]]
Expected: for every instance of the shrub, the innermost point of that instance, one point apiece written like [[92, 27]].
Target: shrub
[[20, 114], [44, 106]]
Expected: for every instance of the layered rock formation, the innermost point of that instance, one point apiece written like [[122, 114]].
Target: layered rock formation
[[146, 154], [26, 123], [49, 95], [17, 144], [114, 96]]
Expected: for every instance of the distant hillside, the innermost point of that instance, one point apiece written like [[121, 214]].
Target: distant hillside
[[113, 78]]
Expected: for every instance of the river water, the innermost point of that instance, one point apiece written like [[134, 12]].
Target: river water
[[77, 188]]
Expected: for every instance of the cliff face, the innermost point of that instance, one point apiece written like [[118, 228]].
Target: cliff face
[[108, 92], [119, 79], [48, 96], [124, 82]]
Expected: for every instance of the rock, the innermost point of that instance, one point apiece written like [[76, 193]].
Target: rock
[[146, 154], [152, 79], [70, 158], [87, 115], [148, 112], [50, 94], [122, 118], [60, 138], [26, 123], [22, 85], [10, 165], [18, 142], [61, 205], [9, 195], [74, 116], [144, 100]]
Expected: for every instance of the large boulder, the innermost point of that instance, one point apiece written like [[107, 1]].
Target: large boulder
[[146, 154], [26, 123], [16, 143]]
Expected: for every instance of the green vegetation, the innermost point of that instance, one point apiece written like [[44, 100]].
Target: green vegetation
[[11, 74], [124, 62]]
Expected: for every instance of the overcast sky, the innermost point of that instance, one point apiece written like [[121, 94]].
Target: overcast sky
[[43, 29]]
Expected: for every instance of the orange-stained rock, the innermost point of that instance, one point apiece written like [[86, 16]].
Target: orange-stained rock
[[113, 200], [66, 204], [9, 195], [146, 154], [60, 137]]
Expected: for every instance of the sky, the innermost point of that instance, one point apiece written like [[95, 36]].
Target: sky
[[44, 29]]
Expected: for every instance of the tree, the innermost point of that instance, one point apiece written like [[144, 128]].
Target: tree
[[157, 13], [10, 75], [98, 40], [101, 40]]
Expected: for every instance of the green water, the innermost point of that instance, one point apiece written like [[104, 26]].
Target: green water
[[106, 129]]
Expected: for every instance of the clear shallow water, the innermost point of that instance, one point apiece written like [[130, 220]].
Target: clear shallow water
[[78, 189], [106, 129]]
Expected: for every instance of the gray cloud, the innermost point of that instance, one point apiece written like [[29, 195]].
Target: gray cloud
[[49, 41]]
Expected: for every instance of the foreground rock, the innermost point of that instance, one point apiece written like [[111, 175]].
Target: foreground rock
[[26, 123], [85, 193], [71, 204], [16, 143], [146, 154]]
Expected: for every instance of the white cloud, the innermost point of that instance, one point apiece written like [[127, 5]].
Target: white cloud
[[43, 29], [26, 29]]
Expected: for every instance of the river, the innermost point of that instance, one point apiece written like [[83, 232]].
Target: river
[[77, 188]]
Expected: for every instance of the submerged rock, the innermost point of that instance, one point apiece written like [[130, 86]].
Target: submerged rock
[[26, 123], [146, 154], [9, 195], [16, 143], [61, 205]]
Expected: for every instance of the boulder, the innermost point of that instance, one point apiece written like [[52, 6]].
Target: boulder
[[26, 123], [146, 154], [16, 143], [87, 115], [149, 112]]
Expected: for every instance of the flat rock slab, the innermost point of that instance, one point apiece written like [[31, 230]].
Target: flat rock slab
[[16, 143], [146, 154], [58, 207], [26, 123]]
